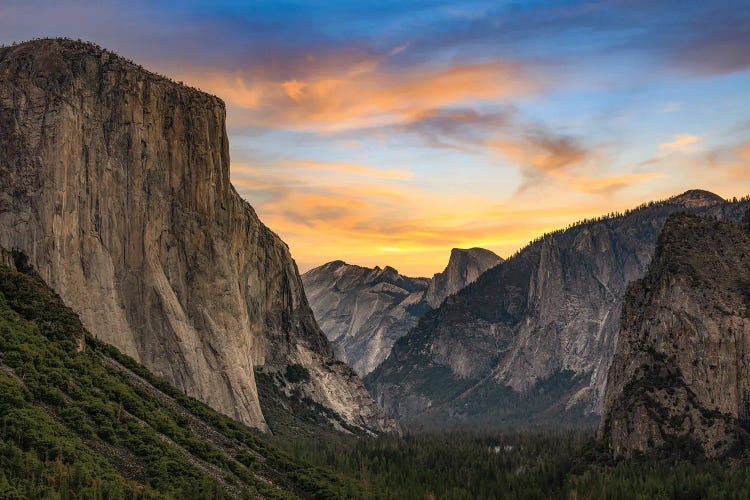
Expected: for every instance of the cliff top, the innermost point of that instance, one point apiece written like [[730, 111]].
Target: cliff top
[[62, 54], [476, 252]]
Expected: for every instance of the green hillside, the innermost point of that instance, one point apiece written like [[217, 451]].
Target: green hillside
[[80, 420]]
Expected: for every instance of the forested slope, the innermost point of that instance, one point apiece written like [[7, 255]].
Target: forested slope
[[79, 419]]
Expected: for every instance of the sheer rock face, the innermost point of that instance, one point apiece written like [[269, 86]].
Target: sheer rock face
[[552, 309], [682, 363], [464, 267], [363, 311], [115, 182]]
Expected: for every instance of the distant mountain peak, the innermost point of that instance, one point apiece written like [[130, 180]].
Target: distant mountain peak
[[474, 252], [365, 310], [464, 266], [697, 198]]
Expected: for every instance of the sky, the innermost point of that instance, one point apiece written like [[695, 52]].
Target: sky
[[387, 133]]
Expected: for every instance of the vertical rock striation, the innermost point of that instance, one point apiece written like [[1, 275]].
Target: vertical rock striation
[[682, 364], [115, 182]]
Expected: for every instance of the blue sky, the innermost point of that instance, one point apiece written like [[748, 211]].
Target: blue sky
[[390, 132]]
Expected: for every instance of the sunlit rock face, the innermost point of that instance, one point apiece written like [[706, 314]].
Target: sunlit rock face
[[682, 363], [115, 182], [532, 339], [363, 311]]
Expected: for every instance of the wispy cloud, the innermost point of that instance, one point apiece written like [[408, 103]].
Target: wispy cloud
[[347, 168], [293, 89], [378, 223], [612, 184], [357, 96], [543, 155], [679, 143], [673, 107], [733, 159]]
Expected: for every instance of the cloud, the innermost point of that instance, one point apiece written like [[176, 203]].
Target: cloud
[[396, 51], [454, 121], [531, 147], [549, 159], [459, 128], [734, 159], [293, 89], [542, 154], [744, 151], [696, 38], [362, 223], [612, 184], [348, 168], [680, 143], [552, 153], [379, 222], [672, 107], [713, 42], [357, 96]]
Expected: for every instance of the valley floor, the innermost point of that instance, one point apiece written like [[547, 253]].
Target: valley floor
[[486, 464]]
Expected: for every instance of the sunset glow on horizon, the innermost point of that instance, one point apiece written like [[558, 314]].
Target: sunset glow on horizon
[[389, 133]]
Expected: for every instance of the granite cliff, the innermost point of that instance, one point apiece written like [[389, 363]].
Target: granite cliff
[[115, 183], [464, 267], [681, 368], [363, 311], [531, 340]]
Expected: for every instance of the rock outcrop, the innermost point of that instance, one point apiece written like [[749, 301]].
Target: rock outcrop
[[363, 311], [681, 368], [532, 339], [115, 182], [464, 267]]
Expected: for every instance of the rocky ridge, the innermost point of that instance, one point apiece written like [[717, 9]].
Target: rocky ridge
[[464, 267], [115, 182], [531, 340], [363, 311]]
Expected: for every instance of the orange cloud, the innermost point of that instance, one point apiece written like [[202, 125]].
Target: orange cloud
[[398, 222], [740, 168], [232, 88], [679, 143], [542, 154], [733, 159], [293, 89], [348, 168], [564, 162], [387, 99], [608, 185], [359, 96], [745, 152]]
